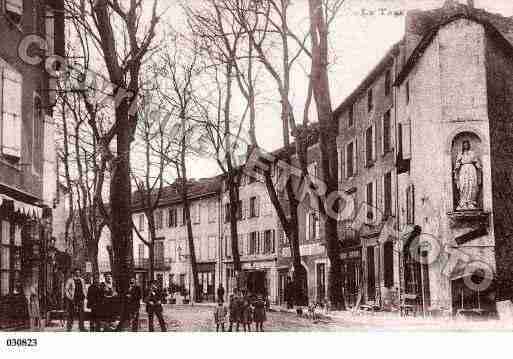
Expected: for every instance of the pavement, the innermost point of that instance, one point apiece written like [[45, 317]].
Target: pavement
[[199, 318]]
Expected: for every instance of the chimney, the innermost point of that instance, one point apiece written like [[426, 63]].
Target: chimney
[[470, 4]]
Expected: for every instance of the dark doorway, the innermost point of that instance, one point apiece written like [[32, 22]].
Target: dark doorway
[[283, 276], [256, 282], [321, 282]]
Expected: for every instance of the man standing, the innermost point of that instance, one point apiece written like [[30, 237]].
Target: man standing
[[220, 294], [154, 307], [75, 294], [95, 295], [134, 303]]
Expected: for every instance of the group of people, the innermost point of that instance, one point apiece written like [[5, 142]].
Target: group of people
[[105, 304], [243, 309], [100, 299]]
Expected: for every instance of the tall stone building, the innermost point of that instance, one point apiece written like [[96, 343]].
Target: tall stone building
[[431, 158], [28, 181]]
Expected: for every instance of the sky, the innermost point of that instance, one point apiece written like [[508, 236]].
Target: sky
[[360, 36]]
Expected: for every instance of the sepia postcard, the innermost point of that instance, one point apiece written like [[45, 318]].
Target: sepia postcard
[[253, 166]]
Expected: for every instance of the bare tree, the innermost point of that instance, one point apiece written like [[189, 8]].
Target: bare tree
[[152, 141], [178, 73], [221, 41], [265, 25], [116, 30], [84, 171], [320, 14]]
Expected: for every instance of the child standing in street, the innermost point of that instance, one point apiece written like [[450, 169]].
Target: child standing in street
[[220, 316]]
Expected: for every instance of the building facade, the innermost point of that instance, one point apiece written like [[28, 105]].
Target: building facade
[[424, 153], [28, 181], [423, 159], [172, 262], [258, 231]]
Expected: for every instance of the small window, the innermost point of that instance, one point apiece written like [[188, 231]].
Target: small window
[[388, 83], [212, 213], [227, 213], [37, 134], [253, 207], [158, 219], [369, 146], [407, 89], [253, 239], [313, 225], [369, 199], [228, 246], [410, 205], [404, 139], [370, 101], [350, 120], [386, 133], [350, 160], [387, 194]]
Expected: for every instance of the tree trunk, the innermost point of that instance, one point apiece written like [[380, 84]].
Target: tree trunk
[[233, 191], [92, 254], [192, 254], [151, 245], [151, 260], [120, 200]]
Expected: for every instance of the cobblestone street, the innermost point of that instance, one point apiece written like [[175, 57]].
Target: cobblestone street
[[199, 318]]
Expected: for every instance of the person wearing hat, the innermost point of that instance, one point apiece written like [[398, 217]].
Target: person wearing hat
[[154, 306]]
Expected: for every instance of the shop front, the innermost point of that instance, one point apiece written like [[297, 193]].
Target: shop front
[[352, 269], [28, 261], [206, 280]]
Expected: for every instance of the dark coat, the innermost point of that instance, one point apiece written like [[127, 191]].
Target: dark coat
[[259, 314], [134, 298], [154, 301], [95, 296], [247, 312], [220, 292]]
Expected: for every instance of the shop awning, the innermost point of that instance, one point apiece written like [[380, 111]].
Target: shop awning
[[28, 209]]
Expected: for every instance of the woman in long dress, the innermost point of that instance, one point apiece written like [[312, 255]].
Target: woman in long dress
[[466, 173]]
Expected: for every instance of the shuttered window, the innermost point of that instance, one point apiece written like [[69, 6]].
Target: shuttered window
[[10, 85]]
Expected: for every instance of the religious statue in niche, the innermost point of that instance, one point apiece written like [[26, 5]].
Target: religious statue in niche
[[467, 177]]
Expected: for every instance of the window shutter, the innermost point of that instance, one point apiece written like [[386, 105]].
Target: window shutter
[[11, 113], [273, 242], [307, 226], [383, 134], [257, 206], [355, 156], [392, 194], [318, 225], [374, 144], [376, 204], [406, 137], [241, 244]]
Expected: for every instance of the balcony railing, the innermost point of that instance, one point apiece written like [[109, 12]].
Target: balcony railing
[[158, 263]]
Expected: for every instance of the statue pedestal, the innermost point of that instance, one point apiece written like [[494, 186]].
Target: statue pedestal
[[469, 225], [469, 218]]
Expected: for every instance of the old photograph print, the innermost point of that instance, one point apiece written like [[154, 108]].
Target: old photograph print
[[256, 166]]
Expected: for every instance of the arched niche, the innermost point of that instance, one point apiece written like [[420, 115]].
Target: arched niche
[[467, 181]]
